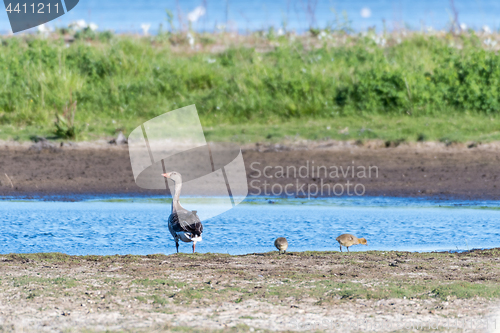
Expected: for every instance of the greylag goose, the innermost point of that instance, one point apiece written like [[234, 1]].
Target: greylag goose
[[182, 223], [349, 240], [281, 244]]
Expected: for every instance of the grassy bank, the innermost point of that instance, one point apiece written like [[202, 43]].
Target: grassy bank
[[395, 128], [413, 87]]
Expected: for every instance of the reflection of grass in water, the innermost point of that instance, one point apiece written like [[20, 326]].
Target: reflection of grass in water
[[165, 200], [399, 203], [368, 202], [134, 200]]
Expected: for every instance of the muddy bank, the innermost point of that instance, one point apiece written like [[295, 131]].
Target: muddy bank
[[322, 291], [440, 172]]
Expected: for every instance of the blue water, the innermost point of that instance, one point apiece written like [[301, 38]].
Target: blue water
[[138, 226], [128, 15]]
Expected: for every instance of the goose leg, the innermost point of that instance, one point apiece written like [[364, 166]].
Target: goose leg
[[348, 249], [340, 248], [194, 246], [177, 245]]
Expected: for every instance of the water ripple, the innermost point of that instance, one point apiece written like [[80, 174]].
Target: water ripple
[[139, 226]]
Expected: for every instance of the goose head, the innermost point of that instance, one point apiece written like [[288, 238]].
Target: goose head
[[362, 241], [174, 175]]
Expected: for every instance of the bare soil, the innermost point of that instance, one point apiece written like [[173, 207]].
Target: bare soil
[[419, 170], [322, 291], [308, 291]]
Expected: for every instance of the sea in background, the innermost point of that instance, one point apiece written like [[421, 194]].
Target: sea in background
[[127, 16], [104, 226]]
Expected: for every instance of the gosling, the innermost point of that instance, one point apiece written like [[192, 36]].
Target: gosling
[[349, 240], [281, 244]]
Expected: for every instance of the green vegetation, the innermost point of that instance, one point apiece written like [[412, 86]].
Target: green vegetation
[[361, 275], [159, 282], [27, 280], [416, 88]]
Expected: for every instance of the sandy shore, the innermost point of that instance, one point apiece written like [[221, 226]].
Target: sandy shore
[[421, 169], [322, 291]]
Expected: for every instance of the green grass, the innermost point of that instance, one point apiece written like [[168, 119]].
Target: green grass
[[421, 290], [421, 88], [458, 127], [26, 280], [159, 300], [159, 282], [239, 285], [325, 291]]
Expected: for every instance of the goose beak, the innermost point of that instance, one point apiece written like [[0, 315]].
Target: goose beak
[[166, 175]]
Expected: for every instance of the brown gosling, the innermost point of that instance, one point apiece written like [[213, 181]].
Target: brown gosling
[[349, 240], [281, 244]]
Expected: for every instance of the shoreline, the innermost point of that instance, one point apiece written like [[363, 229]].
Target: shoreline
[[270, 199], [269, 146], [186, 252], [269, 292], [427, 170]]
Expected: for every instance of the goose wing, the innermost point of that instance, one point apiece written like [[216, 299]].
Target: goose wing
[[345, 238], [185, 221]]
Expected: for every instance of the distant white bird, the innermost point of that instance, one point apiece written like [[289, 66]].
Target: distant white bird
[[145, 28], [78, 25], [366, 12], [190, 38], [42, 28], [379, 40], [490, 42], [322, 35], [196, 14]]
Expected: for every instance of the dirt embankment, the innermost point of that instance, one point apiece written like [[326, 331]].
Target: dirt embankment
[[402, 171], [308, 291]]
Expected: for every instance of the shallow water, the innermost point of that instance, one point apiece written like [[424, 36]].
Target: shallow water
[[138, 225]]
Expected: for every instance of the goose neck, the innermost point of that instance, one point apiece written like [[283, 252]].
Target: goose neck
[[175, 201]]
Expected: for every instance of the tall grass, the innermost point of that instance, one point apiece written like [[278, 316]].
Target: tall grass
[[126, 80]]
